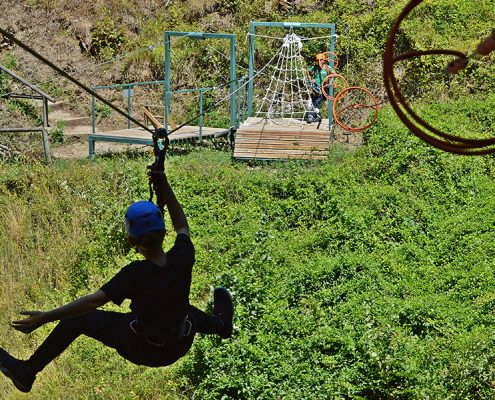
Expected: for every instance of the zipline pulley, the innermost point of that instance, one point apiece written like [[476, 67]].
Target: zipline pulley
[[160, 147]]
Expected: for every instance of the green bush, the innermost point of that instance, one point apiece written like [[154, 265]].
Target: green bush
[[107, 39], [57, 132]]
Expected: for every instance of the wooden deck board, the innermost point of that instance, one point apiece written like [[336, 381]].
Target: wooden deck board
[[140, 136], [262, 139]]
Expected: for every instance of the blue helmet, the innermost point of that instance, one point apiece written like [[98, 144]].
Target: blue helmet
[[143, 217]]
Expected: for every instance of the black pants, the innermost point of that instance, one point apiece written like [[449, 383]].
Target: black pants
[[113, 330], [317, 100]]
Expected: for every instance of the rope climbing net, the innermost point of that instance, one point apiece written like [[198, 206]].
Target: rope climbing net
[[288, 100], [287, 95]]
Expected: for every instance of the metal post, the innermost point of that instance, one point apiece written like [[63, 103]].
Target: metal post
[[330, 102], [44, 133], [93, 113], [91, 144], [233, 123], [45, 112], [167, 78], [244, 94], [200, 138], [251, 69], [129, 110], [46, 145], [239, 102]]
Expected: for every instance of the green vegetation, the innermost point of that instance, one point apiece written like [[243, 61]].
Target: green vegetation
[[107, 39], [57, 132], [366, 276]]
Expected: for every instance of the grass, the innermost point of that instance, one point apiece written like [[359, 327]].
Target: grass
[[364, 276]]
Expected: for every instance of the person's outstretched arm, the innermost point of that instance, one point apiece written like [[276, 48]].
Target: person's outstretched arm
[[308, 74], [77, 307], [164, 191]]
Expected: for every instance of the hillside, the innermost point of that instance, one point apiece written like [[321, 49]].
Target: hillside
[[368, 275], [365, 276], [113, 42]]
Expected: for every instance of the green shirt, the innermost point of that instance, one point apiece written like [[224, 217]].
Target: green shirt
[[318, 74]]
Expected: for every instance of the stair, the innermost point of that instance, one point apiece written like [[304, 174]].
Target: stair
[[74, 126], [59, 105]]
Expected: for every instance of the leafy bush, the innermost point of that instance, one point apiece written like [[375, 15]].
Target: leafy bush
[[107, 39], [57, 133]]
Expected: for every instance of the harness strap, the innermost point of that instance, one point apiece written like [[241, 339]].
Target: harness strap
[[184, 330]]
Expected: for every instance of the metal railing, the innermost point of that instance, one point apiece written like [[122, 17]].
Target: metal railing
[[128, 88], [128, 92]]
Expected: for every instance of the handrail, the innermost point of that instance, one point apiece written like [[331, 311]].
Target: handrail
[[241, 99], [148, 115], [26, 83], [121, 85]]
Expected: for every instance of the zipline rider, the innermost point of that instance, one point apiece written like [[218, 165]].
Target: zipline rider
[[160, 327]]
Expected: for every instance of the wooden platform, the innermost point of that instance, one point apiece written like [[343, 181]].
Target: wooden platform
[[140, 136], [266, 139]]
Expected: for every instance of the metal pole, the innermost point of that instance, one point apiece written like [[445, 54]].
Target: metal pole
[[44, 133], [91, 144], [45, 112], [330, 102], [200, 139], [167, 78], [93, 113], [46, 145], [239, 103], [129, 111], [233, 122], [251, 69]]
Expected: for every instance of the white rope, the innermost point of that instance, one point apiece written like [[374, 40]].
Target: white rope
[[287, 95], [283, 37], [321, 37]]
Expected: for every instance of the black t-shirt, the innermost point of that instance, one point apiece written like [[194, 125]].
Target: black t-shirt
[[159, 296]]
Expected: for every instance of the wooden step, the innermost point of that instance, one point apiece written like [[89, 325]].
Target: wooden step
[[262, 140]]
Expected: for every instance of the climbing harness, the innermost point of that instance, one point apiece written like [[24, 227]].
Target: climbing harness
[[183, 330]]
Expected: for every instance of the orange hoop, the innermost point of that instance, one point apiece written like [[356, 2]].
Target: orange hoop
[[337, 87], [371, 103], [331, 56], [442, 140]]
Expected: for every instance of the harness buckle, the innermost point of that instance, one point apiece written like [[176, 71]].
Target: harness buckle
[[136, 329], [186, 327], [160, 341], [158, 344]]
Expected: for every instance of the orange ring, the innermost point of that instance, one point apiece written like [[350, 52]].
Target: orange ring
[[335, 58], [324, 84], [418, 126], [344, 93]]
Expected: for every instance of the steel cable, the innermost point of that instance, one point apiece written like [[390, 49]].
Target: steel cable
[[431, 135]]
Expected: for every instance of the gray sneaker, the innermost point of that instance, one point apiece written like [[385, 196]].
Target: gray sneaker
[[16, 370], [224, 309]]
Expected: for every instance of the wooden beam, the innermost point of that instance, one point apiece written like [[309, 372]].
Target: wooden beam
[[157, 124], [148, 116], [281, 141]]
